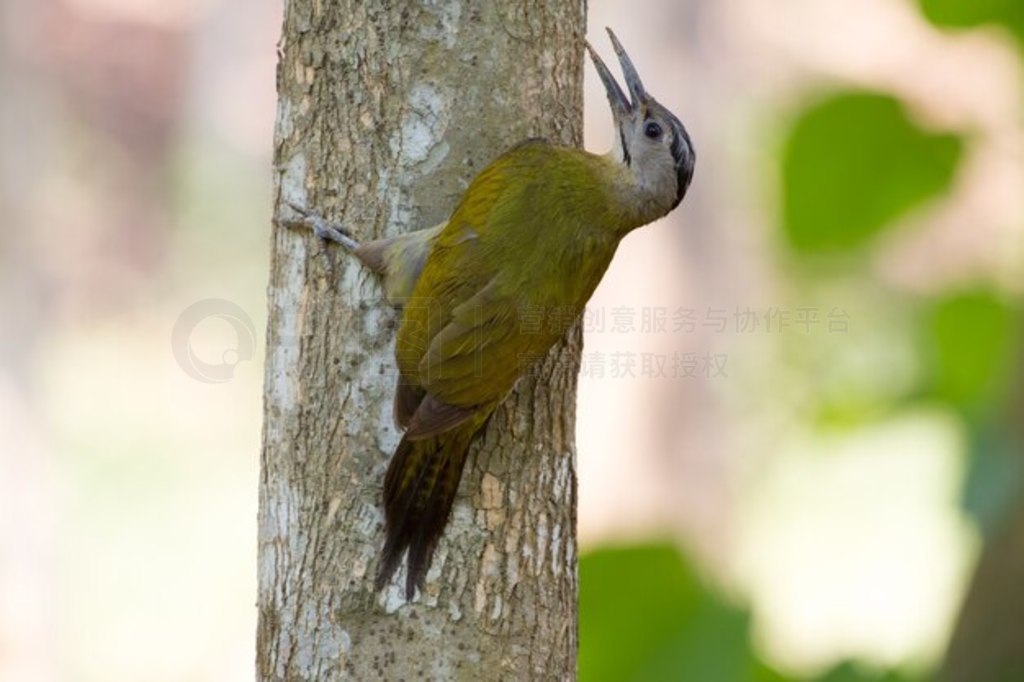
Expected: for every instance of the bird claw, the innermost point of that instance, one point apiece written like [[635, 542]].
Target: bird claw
[[322, 228]]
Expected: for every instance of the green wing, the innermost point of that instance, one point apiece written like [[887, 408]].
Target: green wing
[[462, 343]]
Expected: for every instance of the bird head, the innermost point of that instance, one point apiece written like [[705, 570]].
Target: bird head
[[650, 141]]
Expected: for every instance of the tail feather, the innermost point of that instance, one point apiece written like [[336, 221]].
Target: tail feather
[[419, 489]]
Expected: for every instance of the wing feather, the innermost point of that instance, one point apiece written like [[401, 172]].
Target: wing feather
[[462, 341]]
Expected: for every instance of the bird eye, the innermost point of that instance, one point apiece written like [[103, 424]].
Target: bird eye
[[652, 130]]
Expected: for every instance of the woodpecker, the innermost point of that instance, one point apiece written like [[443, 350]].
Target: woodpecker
[[534, 231]]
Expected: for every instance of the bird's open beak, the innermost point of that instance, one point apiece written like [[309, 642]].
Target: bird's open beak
[[621, 105]]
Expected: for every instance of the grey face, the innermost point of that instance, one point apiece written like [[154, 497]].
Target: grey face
[[649, 133]]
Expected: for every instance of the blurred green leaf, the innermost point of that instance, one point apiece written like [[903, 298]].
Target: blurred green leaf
[[762, 673], [644, 615], [850, 672], [970, 337], [967, 13], [851, 165]]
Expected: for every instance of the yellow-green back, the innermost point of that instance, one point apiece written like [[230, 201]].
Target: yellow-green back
[[512, 269]]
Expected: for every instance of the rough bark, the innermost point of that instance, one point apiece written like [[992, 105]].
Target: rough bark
[[385, 112]]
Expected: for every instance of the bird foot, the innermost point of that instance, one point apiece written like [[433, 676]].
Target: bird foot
[[322, 228]]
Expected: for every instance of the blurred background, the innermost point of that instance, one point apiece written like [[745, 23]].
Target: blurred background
[[800, 408]]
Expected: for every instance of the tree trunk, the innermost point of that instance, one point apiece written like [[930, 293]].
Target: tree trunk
[[386, 111], [988, 639]]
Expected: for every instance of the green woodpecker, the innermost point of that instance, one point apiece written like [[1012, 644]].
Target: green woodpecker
[[535, 231]]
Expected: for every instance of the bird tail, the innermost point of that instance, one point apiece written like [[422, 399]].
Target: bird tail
[[419, 489]]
